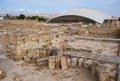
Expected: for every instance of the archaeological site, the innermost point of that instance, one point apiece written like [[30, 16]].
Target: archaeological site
[[73, 46]]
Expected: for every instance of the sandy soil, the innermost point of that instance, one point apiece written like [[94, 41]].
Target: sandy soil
[[20, 71]]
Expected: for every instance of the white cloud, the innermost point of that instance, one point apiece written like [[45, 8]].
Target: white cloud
[[63, 5], [18, 11]]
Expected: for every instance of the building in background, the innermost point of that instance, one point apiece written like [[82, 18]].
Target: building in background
[[81, 15]]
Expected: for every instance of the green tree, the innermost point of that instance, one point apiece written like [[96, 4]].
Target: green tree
[[21, 17], [32, 17], [43, 19]]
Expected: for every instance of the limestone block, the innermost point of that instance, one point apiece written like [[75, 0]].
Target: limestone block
[[4, 41], [80, 62], [69, 61], [58, 62], [42, 61], [26, 58], [63, 62], [87, 64], [74, 62], [51, 62], [59, 52]]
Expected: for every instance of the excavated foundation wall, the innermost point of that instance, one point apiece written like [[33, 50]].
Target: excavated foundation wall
[[106, 71], [18, 45]]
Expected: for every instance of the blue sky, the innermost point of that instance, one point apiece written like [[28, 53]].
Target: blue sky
[[59, 6]]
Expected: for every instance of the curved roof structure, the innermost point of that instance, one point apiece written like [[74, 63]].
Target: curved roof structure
[[91, 14]]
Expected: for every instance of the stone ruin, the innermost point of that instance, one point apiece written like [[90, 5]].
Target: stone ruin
[[48, 48]]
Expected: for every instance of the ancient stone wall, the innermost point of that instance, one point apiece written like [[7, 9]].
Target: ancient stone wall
[[18, 45], [97, 47]]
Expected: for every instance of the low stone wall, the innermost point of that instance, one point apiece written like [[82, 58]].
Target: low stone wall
[[98, 70], [109, 48], [18, 45]]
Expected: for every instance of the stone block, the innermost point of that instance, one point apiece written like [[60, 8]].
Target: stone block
[[87, 64], [42, 61], [74, 62], [69, 61], [58, 62], [26, 58], [48, 52], [80, 62], [4, 41], [51, 62], [63, 62]]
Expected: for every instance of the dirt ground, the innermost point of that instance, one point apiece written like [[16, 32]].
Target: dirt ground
[[20, 71]]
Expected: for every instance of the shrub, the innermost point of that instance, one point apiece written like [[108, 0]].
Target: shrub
[[21, 17], [42, 19]]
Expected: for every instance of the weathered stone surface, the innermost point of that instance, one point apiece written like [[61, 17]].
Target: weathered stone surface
[[42, 61], [52, 62], [27, 58], [58, 62], [87, 64], [4, 41], [48, 52], [80, 62], [16, 43], [63, 63], [69, 61], [74, 62], [97, 57], [42, 53]]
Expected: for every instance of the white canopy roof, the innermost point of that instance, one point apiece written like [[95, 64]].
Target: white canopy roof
[[88, 13]]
